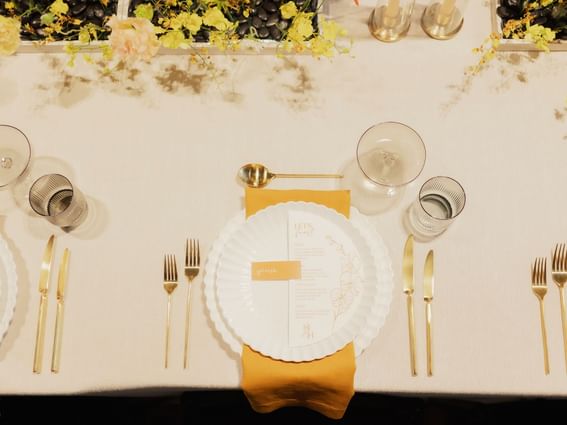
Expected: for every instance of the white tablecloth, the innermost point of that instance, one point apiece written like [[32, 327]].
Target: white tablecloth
[[156, 153]]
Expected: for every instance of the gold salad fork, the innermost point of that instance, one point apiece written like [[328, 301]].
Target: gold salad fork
[[192, 265], [559, 276], [539, 287], [169, 284]]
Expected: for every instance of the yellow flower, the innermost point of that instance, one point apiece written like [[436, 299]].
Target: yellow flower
[[190, 21], [322, 47], [84, 35], [173, 40], [540, 35], [301, 28], [47, 18], [175, 23], [56, 27], [106, 52], [214, 18], [144, 10], [72, 51], [9, 35], [9, 5], [330, 30], [219, 39], [59, 7], [288, 10]]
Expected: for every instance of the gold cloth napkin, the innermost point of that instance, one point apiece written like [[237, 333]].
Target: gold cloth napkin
[[325, 385]]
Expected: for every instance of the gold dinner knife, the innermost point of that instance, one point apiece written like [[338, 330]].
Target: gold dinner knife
[[428, 298], [407, 275], [43, 286], [61, 283]]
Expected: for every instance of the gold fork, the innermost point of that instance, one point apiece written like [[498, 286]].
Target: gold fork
[[169, 284], [192, 265], [539, 287], [559, 276]]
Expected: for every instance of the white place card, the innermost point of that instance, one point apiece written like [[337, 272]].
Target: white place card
[[330, 282]]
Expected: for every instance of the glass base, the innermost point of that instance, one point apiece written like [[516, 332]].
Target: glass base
[[368, 197], [15, 153], [438, 26], [387, 29], [415, 228]]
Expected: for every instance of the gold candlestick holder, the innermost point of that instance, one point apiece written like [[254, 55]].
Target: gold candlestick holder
[[390, 19], [443, 19]]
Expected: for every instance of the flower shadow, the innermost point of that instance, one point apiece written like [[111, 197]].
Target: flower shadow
[[511, 69], [68, 86], [294, 85]]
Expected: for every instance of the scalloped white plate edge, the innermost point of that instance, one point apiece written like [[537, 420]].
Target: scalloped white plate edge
[[275, 347], [12, 287], [382, 262]]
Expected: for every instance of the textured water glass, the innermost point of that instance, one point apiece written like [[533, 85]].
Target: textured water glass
[[389, 155], [54, 197], [441, 200]]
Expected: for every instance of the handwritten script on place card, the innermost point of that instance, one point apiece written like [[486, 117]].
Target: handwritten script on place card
[[276, 270], [331, 278]]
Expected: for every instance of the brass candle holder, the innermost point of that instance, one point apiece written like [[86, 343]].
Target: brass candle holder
[[390, 19], [443, 19]]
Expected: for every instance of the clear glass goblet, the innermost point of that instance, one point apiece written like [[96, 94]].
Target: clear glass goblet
[[15, 154], [389, 155]]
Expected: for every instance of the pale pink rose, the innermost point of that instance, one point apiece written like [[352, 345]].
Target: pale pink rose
[[133, 38]]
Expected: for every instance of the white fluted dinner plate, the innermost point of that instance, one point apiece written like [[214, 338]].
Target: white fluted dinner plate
[[8, 287], [361, 325]]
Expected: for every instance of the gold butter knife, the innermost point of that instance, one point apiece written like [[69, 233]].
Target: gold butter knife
[[61, 284], [428, 298], [43, 286], [407, 275]]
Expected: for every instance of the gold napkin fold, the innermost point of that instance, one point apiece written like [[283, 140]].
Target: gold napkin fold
[[324, 385]]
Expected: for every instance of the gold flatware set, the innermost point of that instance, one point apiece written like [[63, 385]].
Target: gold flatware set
[[257, 175], [43, 288], [408, 288], [428, 298], [61, 285], [539, 288], [559, 276], [192, 265], [407, 275], [169, 284], [44, 291], [170, 278]]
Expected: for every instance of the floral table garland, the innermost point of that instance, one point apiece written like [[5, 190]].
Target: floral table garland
[[540, 22], [174, 24]]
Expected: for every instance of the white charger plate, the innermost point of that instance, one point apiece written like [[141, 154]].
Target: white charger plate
[[383, 282], [8, 287], [259, 312]]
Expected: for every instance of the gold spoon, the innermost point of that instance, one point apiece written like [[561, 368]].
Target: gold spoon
[[257, 175]]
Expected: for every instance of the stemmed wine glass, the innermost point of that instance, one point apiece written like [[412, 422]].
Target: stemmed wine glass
[[15, 154], [389, 155]]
